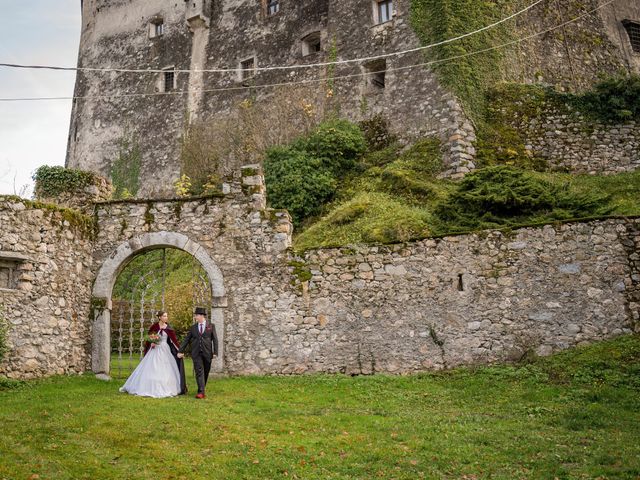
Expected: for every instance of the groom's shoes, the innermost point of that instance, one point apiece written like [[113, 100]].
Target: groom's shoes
[[200, 395]]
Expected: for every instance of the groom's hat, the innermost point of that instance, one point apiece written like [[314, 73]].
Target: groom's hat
[[201, 311]]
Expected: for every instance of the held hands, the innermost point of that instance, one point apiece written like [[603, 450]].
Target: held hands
[[180, 355]]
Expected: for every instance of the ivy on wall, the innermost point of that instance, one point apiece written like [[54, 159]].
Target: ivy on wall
[[467, 76], [52, 181], [125, 170], [4, 333]]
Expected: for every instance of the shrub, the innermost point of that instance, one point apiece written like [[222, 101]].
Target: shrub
[[217, 147], [339, 143], [615, 99], [297, 181], [504, 195], [52, 181]]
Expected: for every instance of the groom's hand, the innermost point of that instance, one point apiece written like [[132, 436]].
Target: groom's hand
[[180, 355]]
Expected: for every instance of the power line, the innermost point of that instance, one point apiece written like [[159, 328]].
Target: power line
[[277, 67], [318, 80]]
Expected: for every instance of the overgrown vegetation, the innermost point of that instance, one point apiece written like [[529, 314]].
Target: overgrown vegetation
[[53, 181], [503, 195], [574, 415], [4, 333], [211, 149], [80, 222], [125, 170], [469, 76], [304, 176], [614, 100]]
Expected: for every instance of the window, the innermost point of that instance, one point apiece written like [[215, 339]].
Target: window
[[273, 7], [311, 44], [247, 68], [169, 80], [8, 274], [383, 11], [633, 30], [376, 74], [156, 27]]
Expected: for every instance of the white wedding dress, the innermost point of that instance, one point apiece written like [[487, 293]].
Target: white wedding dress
[[157, 374]]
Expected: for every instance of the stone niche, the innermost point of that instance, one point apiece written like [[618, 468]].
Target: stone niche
[[14, 271]]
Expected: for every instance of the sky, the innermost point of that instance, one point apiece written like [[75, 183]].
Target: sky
[[35, 133]]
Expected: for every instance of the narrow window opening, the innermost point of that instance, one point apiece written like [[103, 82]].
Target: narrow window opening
[[273, 7], [633, 30], [8, 275], [169, 80], [247, 68], [156, 27], [383, 11], [311, 44], [377, 74], [460, 283]]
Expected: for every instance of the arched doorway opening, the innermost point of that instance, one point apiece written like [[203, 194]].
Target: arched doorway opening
[[160, 279], [124, 305]]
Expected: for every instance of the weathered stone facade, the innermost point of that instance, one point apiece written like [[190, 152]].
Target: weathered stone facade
[[403, 308], [47, 303], [569, 140], [205, 35]]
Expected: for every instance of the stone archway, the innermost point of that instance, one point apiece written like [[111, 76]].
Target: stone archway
[[117, 261]]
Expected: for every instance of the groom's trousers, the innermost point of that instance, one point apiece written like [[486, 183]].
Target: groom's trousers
[[202, 366]]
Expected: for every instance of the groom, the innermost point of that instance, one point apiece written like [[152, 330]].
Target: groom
[[204, 345]]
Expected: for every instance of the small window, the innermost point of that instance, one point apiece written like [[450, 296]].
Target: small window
[[247, 68], [156, 28], [169, 80], [382, 11], [8, 274], [311, 44], [273, 7], [633, 30], [376, 74]]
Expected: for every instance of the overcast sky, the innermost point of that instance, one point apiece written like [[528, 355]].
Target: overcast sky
[[35, 133]]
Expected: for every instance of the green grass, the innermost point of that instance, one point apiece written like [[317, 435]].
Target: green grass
[[572, 416], [394, 201]]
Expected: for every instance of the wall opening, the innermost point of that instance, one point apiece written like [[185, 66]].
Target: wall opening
[[376, 75], [633, 31], [156, 27], [273, 7], [169, 81], [311, 44], [247, 69], [382, 11], [163, 279], [8, 274]]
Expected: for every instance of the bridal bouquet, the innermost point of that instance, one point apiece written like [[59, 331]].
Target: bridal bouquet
[[152, 338]]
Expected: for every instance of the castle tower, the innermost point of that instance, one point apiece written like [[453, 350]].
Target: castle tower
[[127, 125]]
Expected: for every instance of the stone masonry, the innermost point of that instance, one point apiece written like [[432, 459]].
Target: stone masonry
[[180, 39], [47, 304], [430, 304]]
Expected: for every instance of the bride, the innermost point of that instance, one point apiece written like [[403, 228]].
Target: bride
[[160, 373]]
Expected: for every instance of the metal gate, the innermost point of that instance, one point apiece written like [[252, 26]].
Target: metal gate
[[165, 279]]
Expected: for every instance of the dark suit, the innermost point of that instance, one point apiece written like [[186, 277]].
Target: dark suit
[[203, 348]]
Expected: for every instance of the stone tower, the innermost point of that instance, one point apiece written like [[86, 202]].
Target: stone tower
[[177, 39]]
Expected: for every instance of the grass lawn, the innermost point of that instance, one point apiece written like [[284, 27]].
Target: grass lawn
[[572, 416]]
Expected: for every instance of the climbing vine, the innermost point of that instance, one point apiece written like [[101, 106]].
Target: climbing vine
[[52, 181], [125, 170], [4, 333]]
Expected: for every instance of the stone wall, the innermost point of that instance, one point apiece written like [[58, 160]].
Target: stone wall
[[431, 304], [46, 302], [440, 303], [549, 128]]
